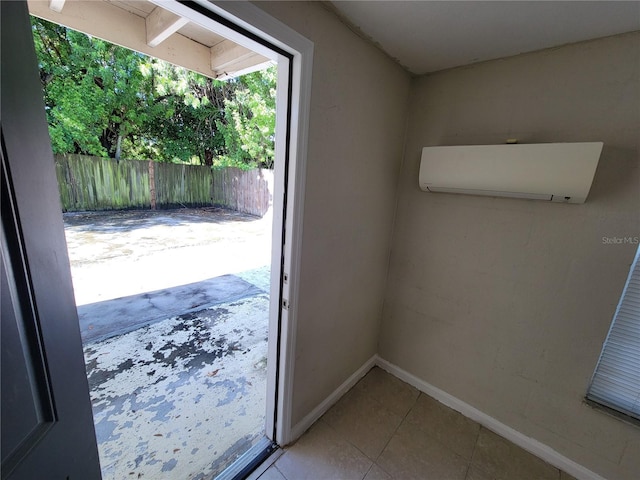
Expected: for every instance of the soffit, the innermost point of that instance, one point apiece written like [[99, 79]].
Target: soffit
[[146, 28]]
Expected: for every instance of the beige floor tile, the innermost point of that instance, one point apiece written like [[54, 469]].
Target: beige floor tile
[[376, 473], [363, 421], [449, 427], [476, 474], [390, 391], [322, 454], [503, 460], [272, 473], [412, 454], [566, 476]]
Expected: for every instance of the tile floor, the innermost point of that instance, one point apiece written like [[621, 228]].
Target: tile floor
[[385, 429]]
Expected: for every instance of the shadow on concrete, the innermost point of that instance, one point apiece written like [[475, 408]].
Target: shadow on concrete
[[102, 320]]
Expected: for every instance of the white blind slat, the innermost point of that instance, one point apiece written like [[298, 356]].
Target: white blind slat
[[616, 381]]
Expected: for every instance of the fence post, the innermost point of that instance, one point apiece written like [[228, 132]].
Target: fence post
[[152, 183]]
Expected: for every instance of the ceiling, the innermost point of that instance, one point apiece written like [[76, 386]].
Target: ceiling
[[427, 36]]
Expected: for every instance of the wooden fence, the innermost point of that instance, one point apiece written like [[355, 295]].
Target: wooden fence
[[93, 183]]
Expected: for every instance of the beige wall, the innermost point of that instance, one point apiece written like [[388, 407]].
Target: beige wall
[[505, 303], [502, 303], [357, 120]]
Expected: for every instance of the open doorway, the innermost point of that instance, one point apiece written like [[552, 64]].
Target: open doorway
[[59, 440], [158, 358]]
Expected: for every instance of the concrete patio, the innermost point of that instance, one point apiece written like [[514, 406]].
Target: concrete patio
[[177, 375]]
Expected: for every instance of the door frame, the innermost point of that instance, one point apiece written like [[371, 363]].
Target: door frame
[[251, 27]]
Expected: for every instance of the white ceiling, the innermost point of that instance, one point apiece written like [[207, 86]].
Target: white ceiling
[[427, 36]]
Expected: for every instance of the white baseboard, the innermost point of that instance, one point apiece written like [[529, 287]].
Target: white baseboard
[[304, 424], [533, 446]]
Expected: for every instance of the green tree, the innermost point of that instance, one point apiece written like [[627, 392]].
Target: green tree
[[249, 120], [94, 91], [109, 101], [185, 114]]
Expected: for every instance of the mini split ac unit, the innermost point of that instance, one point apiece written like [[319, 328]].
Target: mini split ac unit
[[557, 172]]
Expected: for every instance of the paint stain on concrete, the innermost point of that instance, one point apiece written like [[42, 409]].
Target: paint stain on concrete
[[159, 392], [169, 465]]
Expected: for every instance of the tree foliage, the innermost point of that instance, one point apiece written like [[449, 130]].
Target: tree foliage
[[105, 100]]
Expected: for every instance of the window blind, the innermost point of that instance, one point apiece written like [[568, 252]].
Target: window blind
[[616, 381]]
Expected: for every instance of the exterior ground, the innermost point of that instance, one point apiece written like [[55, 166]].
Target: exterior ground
[[173, 310], [136, 251]]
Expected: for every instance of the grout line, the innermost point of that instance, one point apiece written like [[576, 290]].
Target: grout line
[[342, 437], [377, 465], [397, 428], [367, 472], [279, 471], [475, 445]]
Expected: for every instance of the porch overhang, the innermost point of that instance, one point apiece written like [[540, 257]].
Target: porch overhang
[[149, 29]]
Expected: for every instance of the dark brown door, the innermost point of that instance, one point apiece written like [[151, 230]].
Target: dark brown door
[[47, 426]]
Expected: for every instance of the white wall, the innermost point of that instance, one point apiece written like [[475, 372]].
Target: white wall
[[356, 132], [505, 303]]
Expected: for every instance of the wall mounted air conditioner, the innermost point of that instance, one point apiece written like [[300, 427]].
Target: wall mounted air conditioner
[[557, 172]]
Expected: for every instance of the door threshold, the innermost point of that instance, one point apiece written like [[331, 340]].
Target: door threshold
[[266, 464], [249, 461]]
